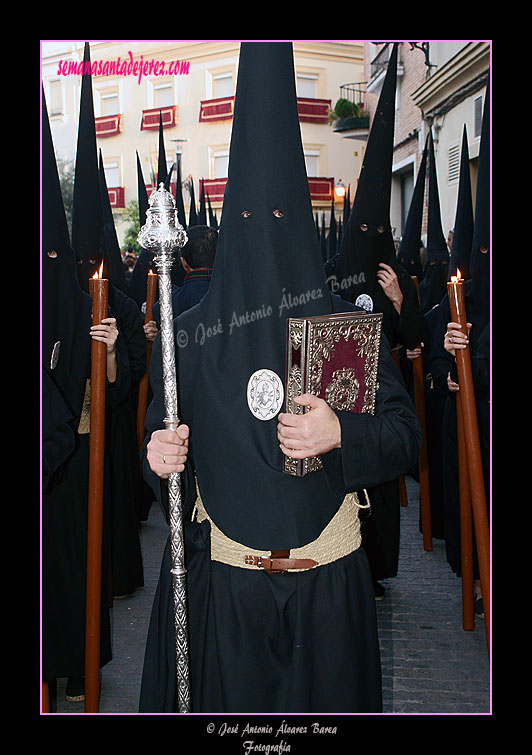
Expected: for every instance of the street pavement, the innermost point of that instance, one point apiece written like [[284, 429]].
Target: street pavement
[[430, 665]]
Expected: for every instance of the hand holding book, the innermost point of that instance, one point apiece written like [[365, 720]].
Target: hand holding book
[[311, 434]]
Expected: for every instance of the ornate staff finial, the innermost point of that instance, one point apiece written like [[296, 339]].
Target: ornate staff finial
[[162, 232]]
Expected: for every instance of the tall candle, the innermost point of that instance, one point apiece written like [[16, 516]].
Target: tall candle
[[151, 290], [98, 288], [455, 289]]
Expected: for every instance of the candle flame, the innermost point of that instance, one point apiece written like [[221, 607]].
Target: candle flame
[[98, 273], [150, 272], [456, 278]]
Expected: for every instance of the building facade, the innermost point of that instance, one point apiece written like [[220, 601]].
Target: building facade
[[440, 84], [192, 85]]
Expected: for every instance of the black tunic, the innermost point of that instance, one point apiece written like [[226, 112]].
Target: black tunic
[[125, 477], [296, 642], [64, 552]]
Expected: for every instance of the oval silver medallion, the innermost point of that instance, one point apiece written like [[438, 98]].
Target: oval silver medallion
[[365, 301], [265, 394], [55, 355]]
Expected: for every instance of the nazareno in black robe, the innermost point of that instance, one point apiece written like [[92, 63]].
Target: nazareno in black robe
[[66, 359], [268, 642]]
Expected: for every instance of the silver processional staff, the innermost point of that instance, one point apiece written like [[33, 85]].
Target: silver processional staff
[[162, 234]]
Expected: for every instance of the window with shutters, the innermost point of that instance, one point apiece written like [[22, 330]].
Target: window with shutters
[[56, 98], [453, 163], [478, 116]]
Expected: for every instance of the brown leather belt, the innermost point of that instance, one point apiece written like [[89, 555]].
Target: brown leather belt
[[279, 561]]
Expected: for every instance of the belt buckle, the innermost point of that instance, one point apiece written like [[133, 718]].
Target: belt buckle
[[262, 562], [253, 560]]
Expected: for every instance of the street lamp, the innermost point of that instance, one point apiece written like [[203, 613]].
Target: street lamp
[[339, 190]]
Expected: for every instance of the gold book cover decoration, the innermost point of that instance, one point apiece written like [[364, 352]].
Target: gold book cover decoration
[[336, 358]]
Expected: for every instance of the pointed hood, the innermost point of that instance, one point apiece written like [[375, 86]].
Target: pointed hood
[[463, 223], [162, 170], [480, 252], [347, 206], [65, 313], [192, 213], [433, 287], [142, 194], [409, 249], [323, 239], [332, 237], [268, 267], [202, 214], [168, 179], [339, 236], [367, 239], [213, 222], [87, 218], [180, 205], [115, 264], [138, 281]]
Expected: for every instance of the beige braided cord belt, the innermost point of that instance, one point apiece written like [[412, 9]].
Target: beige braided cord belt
[[339, 538]]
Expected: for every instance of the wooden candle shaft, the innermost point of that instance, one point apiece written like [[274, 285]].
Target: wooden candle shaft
[[98, 289], [474, 458], [466, 525]]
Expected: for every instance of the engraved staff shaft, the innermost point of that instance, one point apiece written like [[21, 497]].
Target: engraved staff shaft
[[162, 234]]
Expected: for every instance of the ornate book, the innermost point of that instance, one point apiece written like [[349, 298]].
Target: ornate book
[[334, 357]]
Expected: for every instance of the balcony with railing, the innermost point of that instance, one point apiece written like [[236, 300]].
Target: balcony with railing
[[107, 125], [379, 65], [310, 109], [321, 188], [349, 112]]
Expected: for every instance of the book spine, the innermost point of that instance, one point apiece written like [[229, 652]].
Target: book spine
[[295, 377]]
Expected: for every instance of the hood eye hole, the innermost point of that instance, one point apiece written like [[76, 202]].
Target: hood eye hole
[[278, 213], [52, 254], [245, 213], [483, 249], [363, 226], [380, 228]]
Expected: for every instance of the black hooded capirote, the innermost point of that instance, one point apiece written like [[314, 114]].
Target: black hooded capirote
[[112, 247], [66, 360], [260, 644], [180, 205], [436, 270], [65, 307], [162, 170], [192, 212], [367, 238], [268, 267], [332, 235], [87, 216], [142, 194], [409, 250], [463, 223]]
